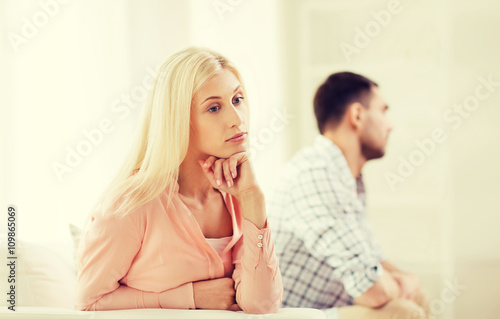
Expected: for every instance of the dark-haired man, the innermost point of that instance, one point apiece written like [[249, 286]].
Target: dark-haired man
[[329, 258]]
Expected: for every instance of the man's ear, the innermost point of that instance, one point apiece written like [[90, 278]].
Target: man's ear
[[355, 114]]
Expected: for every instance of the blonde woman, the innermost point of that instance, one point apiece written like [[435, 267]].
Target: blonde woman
[[183, 224]]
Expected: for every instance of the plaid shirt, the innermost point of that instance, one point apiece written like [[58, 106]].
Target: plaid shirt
[[326, 249]]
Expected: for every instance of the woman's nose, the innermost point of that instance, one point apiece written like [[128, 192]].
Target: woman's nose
[[235, 117]]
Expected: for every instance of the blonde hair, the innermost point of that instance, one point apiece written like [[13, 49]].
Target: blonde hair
[[161, 144]]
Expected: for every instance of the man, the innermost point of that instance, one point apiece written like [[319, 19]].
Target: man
[[329, 258]]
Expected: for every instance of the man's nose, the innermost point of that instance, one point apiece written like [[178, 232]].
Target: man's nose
[[389, 126]]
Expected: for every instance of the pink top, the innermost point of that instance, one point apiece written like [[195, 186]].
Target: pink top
[[219, 244], [151, 257]]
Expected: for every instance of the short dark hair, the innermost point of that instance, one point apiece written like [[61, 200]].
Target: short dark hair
[[336, 93]]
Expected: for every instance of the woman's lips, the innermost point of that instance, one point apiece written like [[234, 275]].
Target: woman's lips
[[238, 139]]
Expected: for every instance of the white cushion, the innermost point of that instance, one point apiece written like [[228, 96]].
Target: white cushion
[[45, 274]]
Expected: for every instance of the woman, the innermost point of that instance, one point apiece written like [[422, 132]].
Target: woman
[[183, 224]]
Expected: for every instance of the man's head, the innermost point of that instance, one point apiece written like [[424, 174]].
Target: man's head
[[349, 103]]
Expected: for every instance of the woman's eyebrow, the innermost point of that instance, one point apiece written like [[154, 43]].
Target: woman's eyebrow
[[218, 97]]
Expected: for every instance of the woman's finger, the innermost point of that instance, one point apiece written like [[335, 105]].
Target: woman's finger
[[242, 157], [233, 162], [218, 172], [227, 173], [208, 173], [210, 161]]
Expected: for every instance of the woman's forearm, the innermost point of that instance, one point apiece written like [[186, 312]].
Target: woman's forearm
[[125, 297], [257, 277], [253, 206]]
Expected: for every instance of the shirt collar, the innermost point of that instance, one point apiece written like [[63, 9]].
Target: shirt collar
[[336, 158]]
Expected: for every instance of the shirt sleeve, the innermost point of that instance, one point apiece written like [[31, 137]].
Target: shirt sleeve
[[108, 248], [325, 218], [367, 227], [374, 241], [257, 276]]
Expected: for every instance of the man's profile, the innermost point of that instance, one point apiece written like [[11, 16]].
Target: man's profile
[[329, 257]]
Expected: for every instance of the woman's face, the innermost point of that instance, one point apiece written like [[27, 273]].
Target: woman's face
[[218, 113]]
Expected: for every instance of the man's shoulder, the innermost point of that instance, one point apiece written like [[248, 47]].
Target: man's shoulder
[[307, 162], [308, 174]]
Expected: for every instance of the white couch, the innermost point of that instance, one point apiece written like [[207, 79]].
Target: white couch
[[60, 313], [45, 288]]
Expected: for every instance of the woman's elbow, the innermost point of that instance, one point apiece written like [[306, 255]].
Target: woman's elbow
[[85, 304], [261, 307], [90, 307]]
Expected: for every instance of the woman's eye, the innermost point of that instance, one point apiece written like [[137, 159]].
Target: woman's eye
[[214, 109], [238, 100]]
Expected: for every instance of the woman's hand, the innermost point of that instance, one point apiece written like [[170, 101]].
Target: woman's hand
[[215, 294], [233, 175]]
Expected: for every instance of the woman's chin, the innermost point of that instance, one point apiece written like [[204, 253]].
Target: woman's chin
[[243, 147], [230, 151]]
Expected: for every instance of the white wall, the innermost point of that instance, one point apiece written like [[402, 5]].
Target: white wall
[[475, 152], [75, 72]]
